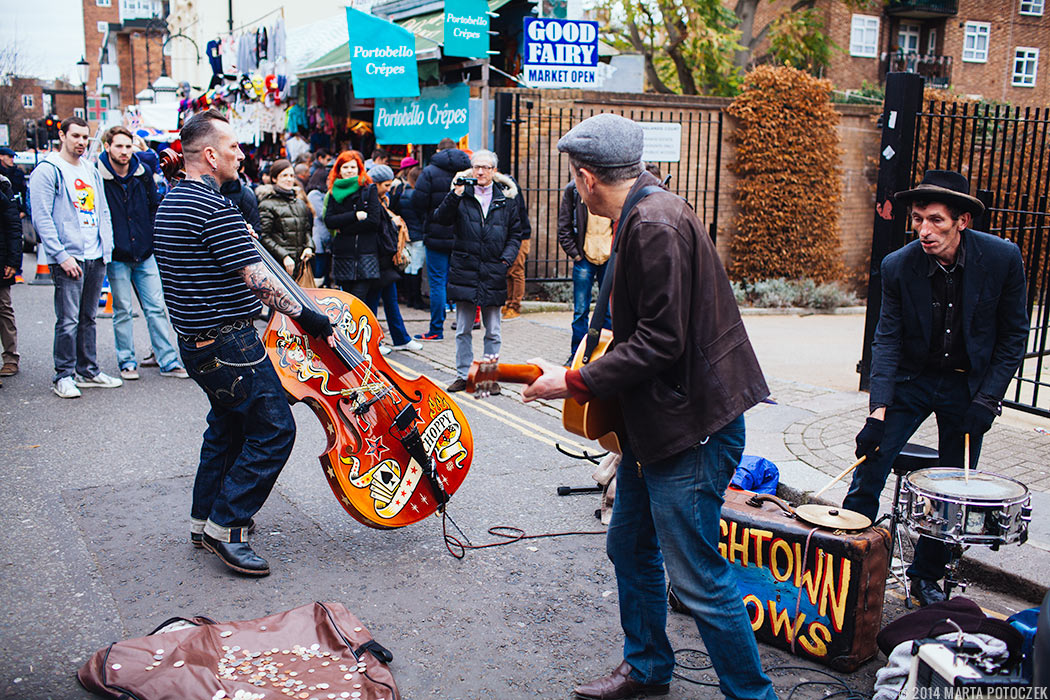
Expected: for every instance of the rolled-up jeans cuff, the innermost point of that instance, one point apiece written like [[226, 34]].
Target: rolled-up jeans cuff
[[226, 534], [196, 526]]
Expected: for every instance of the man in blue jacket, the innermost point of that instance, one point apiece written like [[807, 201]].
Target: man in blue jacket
[[132, 198], [71, 217], [952, 331]]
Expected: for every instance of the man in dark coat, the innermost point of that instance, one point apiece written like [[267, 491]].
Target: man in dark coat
[[18, 180], [243, 197], [132, 198], [952, 331], [10, 267], [486, 221], [433, 184], [682, 370]]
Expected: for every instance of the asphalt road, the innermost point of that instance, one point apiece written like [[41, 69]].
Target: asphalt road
[[96, 546]]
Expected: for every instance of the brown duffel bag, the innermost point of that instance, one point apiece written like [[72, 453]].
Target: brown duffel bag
[[319, 651]]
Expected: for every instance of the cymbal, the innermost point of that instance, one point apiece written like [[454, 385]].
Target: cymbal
[[831, 517]]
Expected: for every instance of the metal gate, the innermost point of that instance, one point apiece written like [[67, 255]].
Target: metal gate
[[1004, 152], [529, 124]]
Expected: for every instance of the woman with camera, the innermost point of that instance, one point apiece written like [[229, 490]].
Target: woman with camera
[[483, 210]]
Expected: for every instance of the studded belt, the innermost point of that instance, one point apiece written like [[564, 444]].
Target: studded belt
[[213, 333]]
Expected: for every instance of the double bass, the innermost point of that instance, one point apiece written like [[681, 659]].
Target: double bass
[[397, 448]]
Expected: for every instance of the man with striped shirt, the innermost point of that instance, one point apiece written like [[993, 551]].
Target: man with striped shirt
[[213, 282]]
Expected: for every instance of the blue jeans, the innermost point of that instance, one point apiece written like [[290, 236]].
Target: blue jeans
[[250, 431], [398, 333], [437, 273], [945, 394], [670, 515], [491, 318], [76, 305], [584, 275], [144, 278]]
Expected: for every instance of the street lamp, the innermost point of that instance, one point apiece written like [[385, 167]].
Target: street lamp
[[84, 68]]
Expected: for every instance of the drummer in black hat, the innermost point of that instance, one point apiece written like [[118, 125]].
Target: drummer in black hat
[[952, 331]]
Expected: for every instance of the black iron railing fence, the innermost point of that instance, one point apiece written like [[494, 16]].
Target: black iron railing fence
[[1005, 153]]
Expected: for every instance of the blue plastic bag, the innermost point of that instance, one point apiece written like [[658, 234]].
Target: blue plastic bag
[[756, 474]]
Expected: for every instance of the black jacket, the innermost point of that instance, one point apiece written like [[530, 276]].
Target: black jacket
[[485, 246], [402, 203], [572, 222], [431, 187], [993, 307], [243, 197], [352, 237], [10, 237], [132, 203], [18, 184]]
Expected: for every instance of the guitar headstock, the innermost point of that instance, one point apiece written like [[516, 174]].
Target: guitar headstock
[[483, 375]]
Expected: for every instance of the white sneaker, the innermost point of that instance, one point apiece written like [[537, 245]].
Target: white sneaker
[[101, 380], [384, 349], [410, 345], [129, 373], [66, 388]]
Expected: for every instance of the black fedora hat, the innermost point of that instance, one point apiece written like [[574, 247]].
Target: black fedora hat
[[945, 186]]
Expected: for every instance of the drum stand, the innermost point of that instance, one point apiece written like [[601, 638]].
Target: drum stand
[[911, 458], [951, 570]]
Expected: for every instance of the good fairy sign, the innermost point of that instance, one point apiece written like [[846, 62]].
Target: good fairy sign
[[560, 52]]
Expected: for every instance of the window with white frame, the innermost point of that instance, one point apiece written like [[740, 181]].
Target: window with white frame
[[975, 42], [1026, 65], [931, 42], [908, 38], [79, 112], [103, 3], [1032, 7], [102, 27], [27, 102], [864, 36]]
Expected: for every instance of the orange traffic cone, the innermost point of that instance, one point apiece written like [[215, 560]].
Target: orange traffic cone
[[43, 274], [107, 312]]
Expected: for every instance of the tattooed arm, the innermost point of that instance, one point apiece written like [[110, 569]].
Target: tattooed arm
[[269, 290]]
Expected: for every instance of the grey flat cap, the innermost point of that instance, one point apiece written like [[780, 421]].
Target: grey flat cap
[[381, 173], [604, 140]]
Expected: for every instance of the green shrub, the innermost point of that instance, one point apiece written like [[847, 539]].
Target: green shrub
[[779, 293]]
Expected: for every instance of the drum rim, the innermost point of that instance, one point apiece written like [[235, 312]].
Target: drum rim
[[980, 500]]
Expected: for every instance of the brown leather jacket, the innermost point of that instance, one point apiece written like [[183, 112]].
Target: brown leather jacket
[[681, 362]]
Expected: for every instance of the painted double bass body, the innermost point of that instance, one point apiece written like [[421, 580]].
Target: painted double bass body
[[368, 468]]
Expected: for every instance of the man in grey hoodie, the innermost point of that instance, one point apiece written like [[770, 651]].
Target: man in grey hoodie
[[71, 216]]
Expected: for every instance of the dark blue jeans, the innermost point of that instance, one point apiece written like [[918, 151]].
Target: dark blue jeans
[[946, 395], [398, 333], [76, 305], [250, 431], [584, 275], [437, 274], [669, 514]]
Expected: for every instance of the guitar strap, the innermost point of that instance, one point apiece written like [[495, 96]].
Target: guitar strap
[[594, 332]]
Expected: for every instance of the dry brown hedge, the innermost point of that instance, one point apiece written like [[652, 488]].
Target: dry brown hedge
[[789, 192]]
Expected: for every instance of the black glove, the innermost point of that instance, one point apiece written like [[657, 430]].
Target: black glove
[[314, 323], [977, 419], [870, 437]]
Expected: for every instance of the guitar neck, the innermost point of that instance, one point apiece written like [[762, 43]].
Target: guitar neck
[[518, 374]]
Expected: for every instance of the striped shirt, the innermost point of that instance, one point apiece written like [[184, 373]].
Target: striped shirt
[[201, 245]]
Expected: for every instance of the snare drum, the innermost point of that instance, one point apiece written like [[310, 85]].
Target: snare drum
[[987, 509]]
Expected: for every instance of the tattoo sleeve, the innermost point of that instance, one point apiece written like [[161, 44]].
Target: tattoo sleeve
[[269, 290]]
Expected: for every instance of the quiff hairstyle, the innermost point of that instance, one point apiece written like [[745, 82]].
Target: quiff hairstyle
[[198, 131]]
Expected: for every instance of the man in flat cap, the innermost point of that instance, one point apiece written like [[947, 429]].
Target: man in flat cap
[[683, 372], [952, 331]]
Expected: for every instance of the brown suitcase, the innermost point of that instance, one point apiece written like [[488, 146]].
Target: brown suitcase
[[828, 610]]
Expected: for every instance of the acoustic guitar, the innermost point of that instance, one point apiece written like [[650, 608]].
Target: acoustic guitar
[[598, 419]]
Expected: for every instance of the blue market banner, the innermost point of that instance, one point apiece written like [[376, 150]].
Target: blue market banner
[[466, 28], [560, 53], [382, 57], [437, 112]]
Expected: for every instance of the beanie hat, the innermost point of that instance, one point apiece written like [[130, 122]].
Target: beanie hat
[[381, 173]]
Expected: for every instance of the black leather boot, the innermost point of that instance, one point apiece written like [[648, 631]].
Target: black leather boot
[[239, 556]]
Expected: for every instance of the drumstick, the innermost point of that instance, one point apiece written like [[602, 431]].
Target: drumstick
[[837, 478], [966, 450]]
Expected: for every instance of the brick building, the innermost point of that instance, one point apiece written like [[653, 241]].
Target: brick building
[[124, 45], [988, 49], [30, 99]]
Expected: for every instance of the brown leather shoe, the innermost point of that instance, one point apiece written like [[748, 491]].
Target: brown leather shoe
[[618, 685], [9, 369]]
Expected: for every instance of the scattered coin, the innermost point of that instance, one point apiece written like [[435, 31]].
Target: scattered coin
[[115, 667]]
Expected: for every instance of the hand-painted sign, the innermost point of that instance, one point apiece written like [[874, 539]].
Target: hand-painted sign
[[466, 28], [437, 112], [560, 52], [382, 57]]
